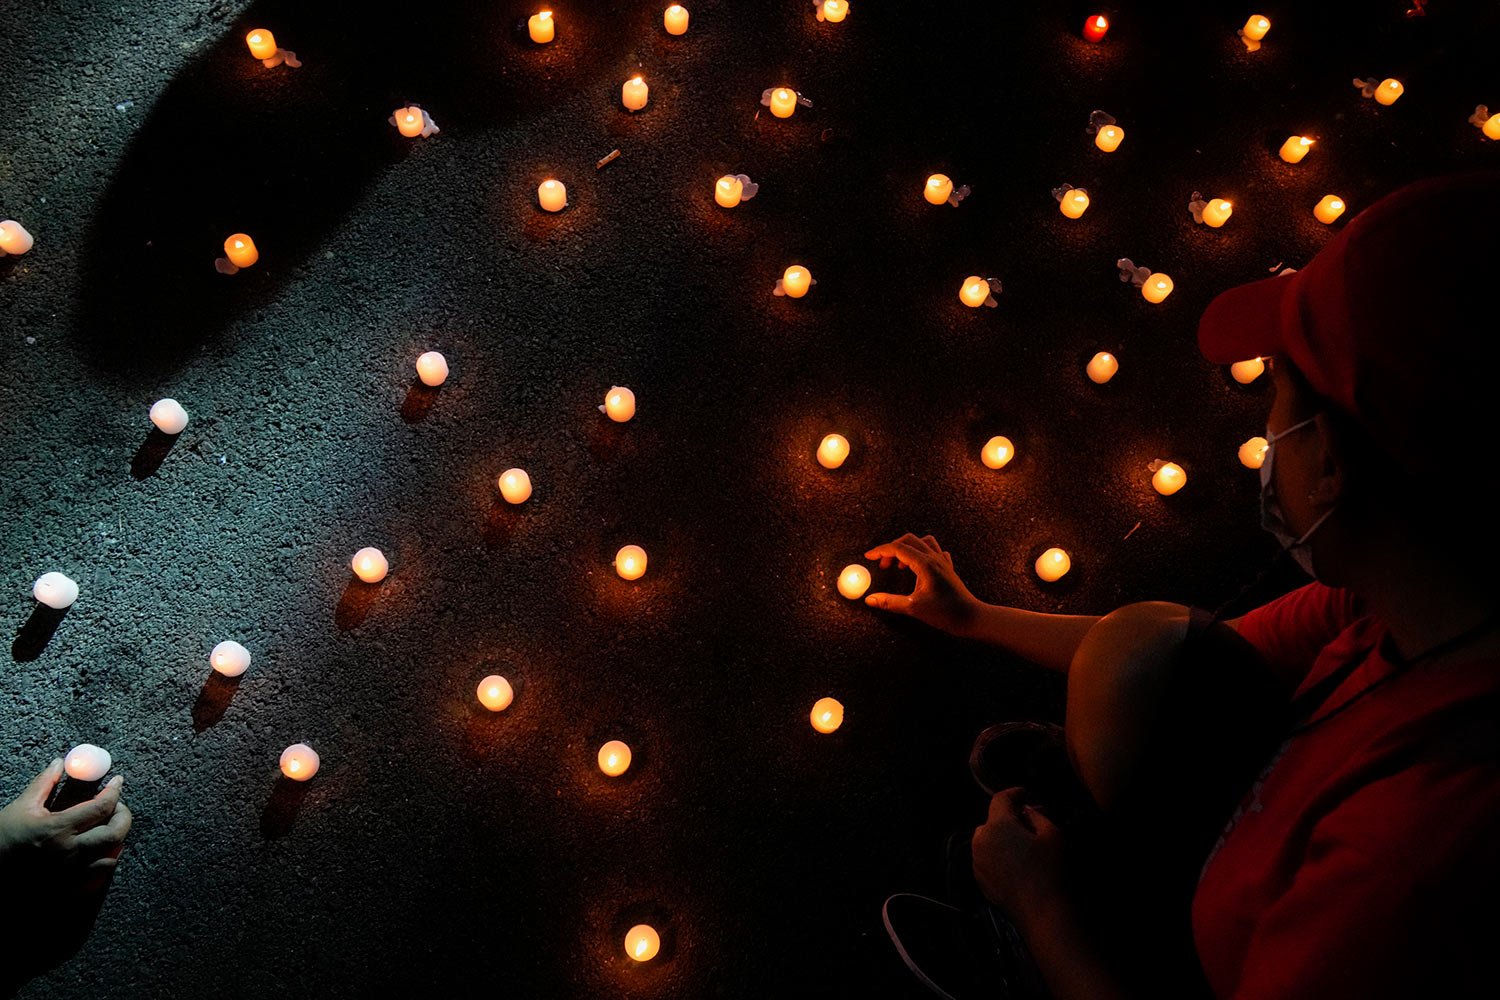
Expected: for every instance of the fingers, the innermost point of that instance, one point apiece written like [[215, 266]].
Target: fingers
[[932, 543], [1039, 822], [907, 550], [1006, 805], [108, 834], [87, 815], [899, 603], [41, 786]]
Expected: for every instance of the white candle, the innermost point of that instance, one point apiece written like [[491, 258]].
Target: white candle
[[634, 93], [1245, 372], [370, 564], [495, 693], [432, 368], [997, 452], [168, 416], [832, 451], [614, 758], [55, 590], [827, 715], [541, 27], [300, 762], [675, 19], [229, 658], [630, 562], [1053, 565], [642, 942], [1252, 453], [1156, 288], [14, 239], [1102, 367], [854, 581], [552, 195], [515, 485], [619, 404], [86, 762], [1169, 478]]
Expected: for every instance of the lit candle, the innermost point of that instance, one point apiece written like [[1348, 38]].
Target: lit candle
[[1216, 213], [614, 758], [783, 102], [168, 416], [14, 239], [495, 693], [552, 195], [1388, 91], [1328, 208], [633, 94], [1095, 28], [832, 451], [84, 769], [541, 27], [1109, 138], [229, 658], [1295, 148], [1102, 367], [1169, 478], [1490, 128], [827, 714], [55, 590], [642, 942], [1253, 452], [1255, 29], [432, 368], [974, 292], [409, 121], [1156, 288], [938, 189], [240, 249], [619, 404], [997, 452], [262, 44], [835, 10], [515, 485], [795, 281], [675, 19], [370, 564], [630, 562], [728, 190], [854, 581], [1053, 565], [299, 762], [1074, 203], [1245, 372]]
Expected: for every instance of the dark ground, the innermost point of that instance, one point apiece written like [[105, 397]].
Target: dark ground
[[445, 850]]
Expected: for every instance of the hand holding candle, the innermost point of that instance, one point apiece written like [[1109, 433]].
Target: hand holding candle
[[55, 590], [14, 239], [413, 122], [1245, 372], [781, 100], [832, 11], [1252, 453], [229, 658], [975, 292], [1071, 200], [1109, 137], [300, 762]]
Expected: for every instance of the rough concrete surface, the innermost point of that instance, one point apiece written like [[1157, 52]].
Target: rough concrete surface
[[446, 851]]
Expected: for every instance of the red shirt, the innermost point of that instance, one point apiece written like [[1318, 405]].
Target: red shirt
[[1365, 860]]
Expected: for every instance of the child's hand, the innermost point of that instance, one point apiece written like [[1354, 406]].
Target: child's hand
[[940, 598], [82, 840]]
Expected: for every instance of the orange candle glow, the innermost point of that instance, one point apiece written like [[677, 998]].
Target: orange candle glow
[[795, 281], [675, 19], [1095, 28], [1389, 91], [299, 762], [834, 10], [827, 714], [614, 759], [1053, 565], [229, 658], [262, 44], [495, 693], [1102, 367], [630, 562], [1109, 138], [938, 188], [832, 451], [997, 452], [432, 368], [552, 195], [1157, 288], [783, 102], [370, 565], [541, 27], [1169, 478], [240, 249], [1253, 452], [14, 239], [1255, 29], [974, 292], [642, 942], [1491, 127], [1328, 209], [1295, 148], [619, 404], [1074, 203], [515, 485], [1216, 213], [729, 190], [633, 94], [409, 121], [854, 581], [1245, 372]]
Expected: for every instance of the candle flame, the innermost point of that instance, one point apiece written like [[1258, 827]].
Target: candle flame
[[1100, 22], [255, 38], [635, 79], [544, 15], [1336, 204], [294, 764], [1304, 140], [613, 759], [239, 244], [1057, 557], [640, 947]]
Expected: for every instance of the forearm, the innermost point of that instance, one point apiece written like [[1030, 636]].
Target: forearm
[[1050, 640], [1067, 960]]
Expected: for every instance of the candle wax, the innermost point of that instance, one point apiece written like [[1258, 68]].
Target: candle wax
[[1053, 564], [552, 195], [495, 693], [997, 452], [55, 590], [515, 485], [541, 27], [1295, 148], [168, 416], [630, 562], [619, 404], [854, 581], [229, 658], [1109, 138], [937, 189], [1169, 478], [827, 715], [832, 451], [432, 368], [262, 44], [642, 942], [300, 762], [1102, 367], [86, 762], [675, 19], [1328, 209], [370, 565], [614, 758]]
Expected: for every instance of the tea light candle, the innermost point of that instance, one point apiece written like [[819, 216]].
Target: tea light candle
[[1388, 91], [642, 942], [495, 693], [1095, 28], [1102, 367], [370, 564], [630, 562], [515, 485], [675, 19], [541, 27], [432, 368], [835, 10], [1328, 208], [1245, 372], [1109, 138], [728, 190], [783, 102], [1074, 203], [299, 762], [1156, 288], [86, 762], [168, 416], [1216, 213], [409, 121], [1490, 128], [229, 658], [795, 281], [854, 581], [1053, 565], [552, 195], [1169, 478], [1295, 148], [1255, 29], [974, 292], [240, 249], [262, 44], [1253, 452], [937, 189], [14, 239], [619, 404], [997, 452], [827, 714], [614, 758], [633, 94], [55, 590], [832, 451]]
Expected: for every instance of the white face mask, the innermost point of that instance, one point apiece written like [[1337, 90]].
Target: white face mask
[[1271, 516]]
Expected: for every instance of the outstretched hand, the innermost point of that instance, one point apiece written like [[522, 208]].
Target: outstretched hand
[[81, 842], [939, 598]]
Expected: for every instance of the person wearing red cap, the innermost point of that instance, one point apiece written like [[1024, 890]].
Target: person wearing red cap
[[1303, 801]]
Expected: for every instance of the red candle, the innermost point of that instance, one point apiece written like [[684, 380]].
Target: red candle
[[1095, 27]]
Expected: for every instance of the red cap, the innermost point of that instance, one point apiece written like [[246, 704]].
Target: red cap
[[1394, 320]]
